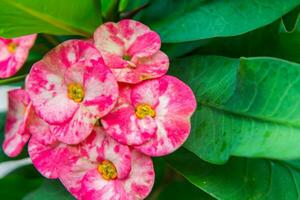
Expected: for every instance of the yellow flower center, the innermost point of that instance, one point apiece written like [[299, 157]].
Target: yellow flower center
[[107, 170], [75, 92], [143, 110], [12, 47]]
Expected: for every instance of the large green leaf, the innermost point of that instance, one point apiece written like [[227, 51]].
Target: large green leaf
[[241, 178], [68, 17], [248, 107], [18, 183], [272, 40], [187, 20]]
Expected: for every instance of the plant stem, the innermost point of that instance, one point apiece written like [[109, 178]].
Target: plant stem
[[13, 79]]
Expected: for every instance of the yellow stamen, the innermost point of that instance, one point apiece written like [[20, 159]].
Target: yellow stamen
[[143, 110], [107, 170], [12, 47], [75, 92]]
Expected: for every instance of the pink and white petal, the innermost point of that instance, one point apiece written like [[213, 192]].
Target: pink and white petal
[[71, 176], [13, 145], [135, 35], [147, 92], [123, 125], [173, 112], [45, 85], [99, 146], [169, 137], [26, 41], [145, 45], [71, 52], [101, 89], [77, 129], [39, 129], [107, 39], [94, 187], [153, 67], [147, 68], [49, 159], [141, 179], [16, 134], [118, 154], [4, 53], [43, 148], [8, 67], [24, 45], [90, 147]]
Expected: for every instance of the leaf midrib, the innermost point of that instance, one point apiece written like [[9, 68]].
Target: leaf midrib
[[48, 19]]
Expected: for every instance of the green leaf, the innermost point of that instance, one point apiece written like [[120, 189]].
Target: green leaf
[[240, 178], [22, 17], [183, 20], [109, 9], [19, 183], [174, 50], [290, 20], [248, 107], [50, 190], [179, 189], [272, 40]]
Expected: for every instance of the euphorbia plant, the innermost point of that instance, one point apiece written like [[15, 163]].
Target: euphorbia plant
[[112, 91]]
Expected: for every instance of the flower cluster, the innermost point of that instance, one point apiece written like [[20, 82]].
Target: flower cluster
[[95, 112]]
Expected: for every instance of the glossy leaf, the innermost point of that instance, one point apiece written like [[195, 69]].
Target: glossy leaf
[[22, 17], [20, 182], [240, 178], [182, 20], [248, 107]]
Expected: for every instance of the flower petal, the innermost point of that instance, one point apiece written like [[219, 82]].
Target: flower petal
[[99, 146], [94, 187], [123, 125], [45, 85], [47, 154], [77, 129], [141, 179], [71, 176], [16, 134], [144, 45], [176, 104], [110, 44], [146, 68], [101, 89], [11, 62], [140, 41]]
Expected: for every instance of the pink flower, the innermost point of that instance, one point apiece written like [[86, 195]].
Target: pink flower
[[98, 168], [131, 50], [13, 54], [153, 116], [71, 89], [16, 133]]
